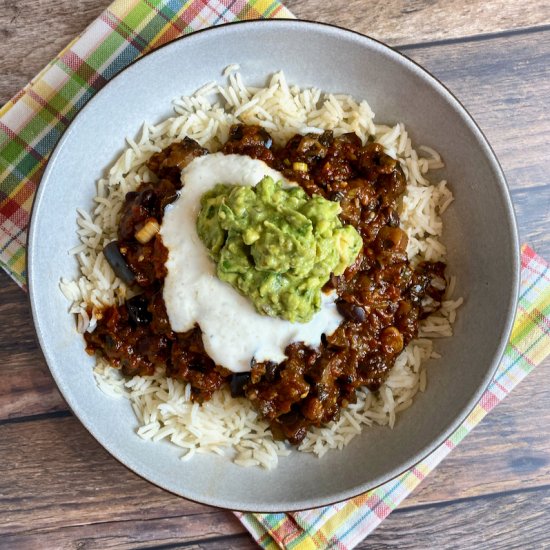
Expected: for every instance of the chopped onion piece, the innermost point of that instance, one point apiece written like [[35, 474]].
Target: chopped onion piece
[[148, 231]]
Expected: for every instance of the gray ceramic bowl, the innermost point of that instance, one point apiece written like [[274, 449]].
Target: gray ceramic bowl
[[480, 233]]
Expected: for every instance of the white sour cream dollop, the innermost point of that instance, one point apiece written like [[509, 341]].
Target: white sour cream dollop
[[233, 332]]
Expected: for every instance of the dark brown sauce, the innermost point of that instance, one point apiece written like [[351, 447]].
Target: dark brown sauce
[[380, 296]]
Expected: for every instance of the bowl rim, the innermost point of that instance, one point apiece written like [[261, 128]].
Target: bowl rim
[[510, 218]]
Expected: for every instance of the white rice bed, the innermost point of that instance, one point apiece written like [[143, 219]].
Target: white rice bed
[[225, 425]]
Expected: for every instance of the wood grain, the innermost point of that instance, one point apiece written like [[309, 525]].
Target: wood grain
[[486, 523], [480, 74], [31, 43], [103, 505], [399, 22], [532, 207], [162, 533], [27, 387], [396, 22], [95, 487], [507, 91], [504, 84], [508, 451], [509, 442]]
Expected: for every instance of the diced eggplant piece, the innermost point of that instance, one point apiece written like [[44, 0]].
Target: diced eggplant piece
[[118, 263], [238, 382], [137, 310]]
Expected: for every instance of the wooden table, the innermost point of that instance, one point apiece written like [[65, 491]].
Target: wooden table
[[60, 489]]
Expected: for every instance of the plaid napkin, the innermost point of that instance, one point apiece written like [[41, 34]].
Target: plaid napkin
[[32, 122], [346, 524]]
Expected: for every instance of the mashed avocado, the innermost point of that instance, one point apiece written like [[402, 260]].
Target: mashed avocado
[[276, 245]]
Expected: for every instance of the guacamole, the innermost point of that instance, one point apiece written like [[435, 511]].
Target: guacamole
[[276, 245]]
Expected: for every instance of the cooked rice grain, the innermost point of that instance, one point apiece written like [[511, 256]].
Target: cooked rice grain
[[162, 406]]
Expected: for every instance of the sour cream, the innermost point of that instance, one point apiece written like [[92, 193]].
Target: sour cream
[[233, 332]]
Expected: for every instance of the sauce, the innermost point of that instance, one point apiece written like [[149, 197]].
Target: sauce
[[233, 332], [381, 297], [275, 245]]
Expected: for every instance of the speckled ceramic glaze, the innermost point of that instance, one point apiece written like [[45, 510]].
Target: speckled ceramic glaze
[[480, 234]]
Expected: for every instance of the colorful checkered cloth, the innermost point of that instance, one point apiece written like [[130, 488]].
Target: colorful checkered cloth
[[32, 122], [344, 525]]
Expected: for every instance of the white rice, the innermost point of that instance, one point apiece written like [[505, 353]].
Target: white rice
[[225, 425]]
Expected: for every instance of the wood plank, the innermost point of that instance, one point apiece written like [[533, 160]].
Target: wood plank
[[518, 520], [508, 451], [31, 43], [399, 22], [190, 531], [532, 207], [27, 387], [503, 82], [396, 22], [79, 481], [82, 498], [488, 523], [495, 87], [497, 522], [81, 484]]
